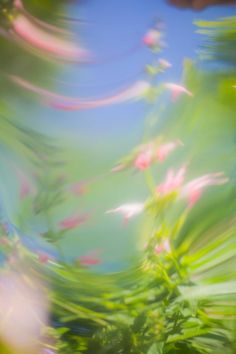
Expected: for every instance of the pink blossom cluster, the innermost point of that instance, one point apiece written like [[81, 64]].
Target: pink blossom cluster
[[174, 183], [150, 153]]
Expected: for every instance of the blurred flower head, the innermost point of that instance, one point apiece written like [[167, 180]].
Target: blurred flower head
[[43, 257], [177, 90], [164, 150], [74, 221], [89, 259], [165, 64], [162, 247], [23, 311], [144, 159], [128, 210], [172, 182], [152, 38], [194, 189]]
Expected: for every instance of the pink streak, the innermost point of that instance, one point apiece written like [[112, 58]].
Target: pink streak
[[45, 41], [177, 90], [164, 150], [194, 189], [74, 221], [36, 89], [90, 259], [135, 91], [19, 6], [118, 168]]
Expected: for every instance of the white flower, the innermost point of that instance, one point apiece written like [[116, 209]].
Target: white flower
[[128, 210], [164, 63]]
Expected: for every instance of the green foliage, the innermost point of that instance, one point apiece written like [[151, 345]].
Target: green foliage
[[220, 44]]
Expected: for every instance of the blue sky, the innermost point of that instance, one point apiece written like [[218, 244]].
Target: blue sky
[[109, 29]]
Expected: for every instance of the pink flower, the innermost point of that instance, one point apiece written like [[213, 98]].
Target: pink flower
[[79, 188], [74, 221], [172, 182], [26, 187], [36, 36], [152, 38], [177, 90], [143, 160], [194, 189], [163, 247], [164, 150], [147, 154], [165, 64], [18, 5], [90, 259], [43, 257], [128, 210]]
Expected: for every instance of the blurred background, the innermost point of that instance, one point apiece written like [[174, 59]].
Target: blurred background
[[90, 142], [116, 117]]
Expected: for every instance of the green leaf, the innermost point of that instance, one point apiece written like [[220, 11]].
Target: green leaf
[[156, 348]]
